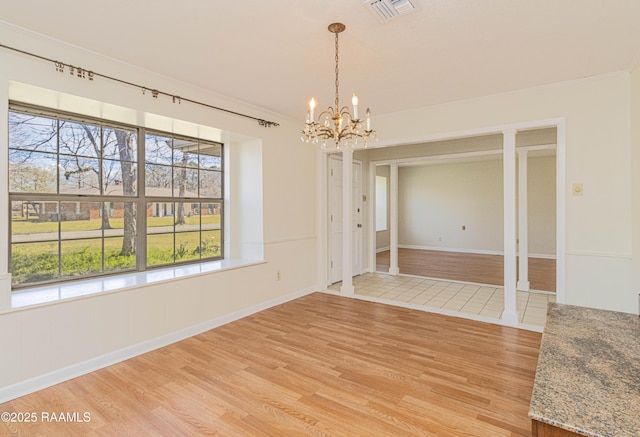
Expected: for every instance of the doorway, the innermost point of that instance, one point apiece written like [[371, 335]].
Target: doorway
[[537, 139]]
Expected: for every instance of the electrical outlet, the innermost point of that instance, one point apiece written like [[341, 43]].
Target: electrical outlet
[[278, 275]]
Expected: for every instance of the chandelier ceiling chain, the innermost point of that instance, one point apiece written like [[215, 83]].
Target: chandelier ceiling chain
[[337, 75], [338, 124]]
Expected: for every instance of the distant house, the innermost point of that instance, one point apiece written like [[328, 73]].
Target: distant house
[[51, 211]]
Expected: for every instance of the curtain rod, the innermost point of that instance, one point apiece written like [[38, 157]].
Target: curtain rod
[[83, 73]]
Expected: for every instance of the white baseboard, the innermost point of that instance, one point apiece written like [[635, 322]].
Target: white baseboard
[[47, 380], [382, 249], [475, 251]]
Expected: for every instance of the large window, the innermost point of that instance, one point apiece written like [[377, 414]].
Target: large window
[[81, 205]]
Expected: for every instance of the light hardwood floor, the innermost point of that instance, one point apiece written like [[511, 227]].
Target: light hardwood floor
[[467, 267], [320, 365]]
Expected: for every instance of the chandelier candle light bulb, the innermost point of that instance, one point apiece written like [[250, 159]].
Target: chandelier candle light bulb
[[338, 123], [312, 105], [354, 102]]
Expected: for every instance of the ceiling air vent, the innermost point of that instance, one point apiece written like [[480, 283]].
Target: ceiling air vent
[[386, 10]]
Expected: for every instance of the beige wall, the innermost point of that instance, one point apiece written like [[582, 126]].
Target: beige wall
[[436, 200], [541, 203]]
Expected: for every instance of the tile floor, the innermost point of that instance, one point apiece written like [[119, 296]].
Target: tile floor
[[466, 298]]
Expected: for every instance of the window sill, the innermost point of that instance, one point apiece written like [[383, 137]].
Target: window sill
[[90, 287]]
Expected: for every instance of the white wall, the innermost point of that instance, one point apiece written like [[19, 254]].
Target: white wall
[[271, 209], [634, 293], [598, 223]]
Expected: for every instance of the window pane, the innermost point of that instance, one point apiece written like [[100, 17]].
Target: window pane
[[160, 228], [211, 213], [157, 149], [32, 172], [187, 216], [34, 262], [185, 153], [119, 169], [32, 132], [80, 257], [210, 156], [185, 182], [159, 249], [34, 221], [80, 139], [210, 245], [123, 223], [76, 222], [119, 178], [114, 257], [187, 246], [79, 175], [210, 184], [120, 144], [158, 180]]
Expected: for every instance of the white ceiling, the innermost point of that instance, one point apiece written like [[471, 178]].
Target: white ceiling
[[276, 54]]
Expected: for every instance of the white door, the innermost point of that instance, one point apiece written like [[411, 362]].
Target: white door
[[335, 219]]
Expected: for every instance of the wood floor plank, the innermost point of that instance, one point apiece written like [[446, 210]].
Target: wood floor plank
[[320, 365], [466, 267]]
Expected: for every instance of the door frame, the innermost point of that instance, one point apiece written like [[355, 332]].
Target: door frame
[[357, 203]]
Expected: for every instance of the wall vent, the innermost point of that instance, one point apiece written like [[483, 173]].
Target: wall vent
[[386, 10]]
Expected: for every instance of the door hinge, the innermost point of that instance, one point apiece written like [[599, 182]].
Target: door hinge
[[331, 172], [331, 263], [331, 218]]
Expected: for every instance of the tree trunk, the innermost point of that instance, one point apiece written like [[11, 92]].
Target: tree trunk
[[182, 185], [105, 216], [125, 148]]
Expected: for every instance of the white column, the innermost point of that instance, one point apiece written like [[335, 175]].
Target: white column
[[523, 224], [393, 222], [322, 225], [561, 212], [5, 276], [347, 222], [372, 218], [510, 314]]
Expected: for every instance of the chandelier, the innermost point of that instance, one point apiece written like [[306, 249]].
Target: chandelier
[[338, 124]]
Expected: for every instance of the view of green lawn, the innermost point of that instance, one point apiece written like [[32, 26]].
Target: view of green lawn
[[38, 261], [21, 226]]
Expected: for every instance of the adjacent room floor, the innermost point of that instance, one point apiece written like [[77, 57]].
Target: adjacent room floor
[[482, 302], [467, 267]]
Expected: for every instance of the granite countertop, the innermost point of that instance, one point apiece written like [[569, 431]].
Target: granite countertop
[[588, 375]]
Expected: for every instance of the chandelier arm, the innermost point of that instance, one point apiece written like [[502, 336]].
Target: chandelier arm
[[329, 111], [346, 111]]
